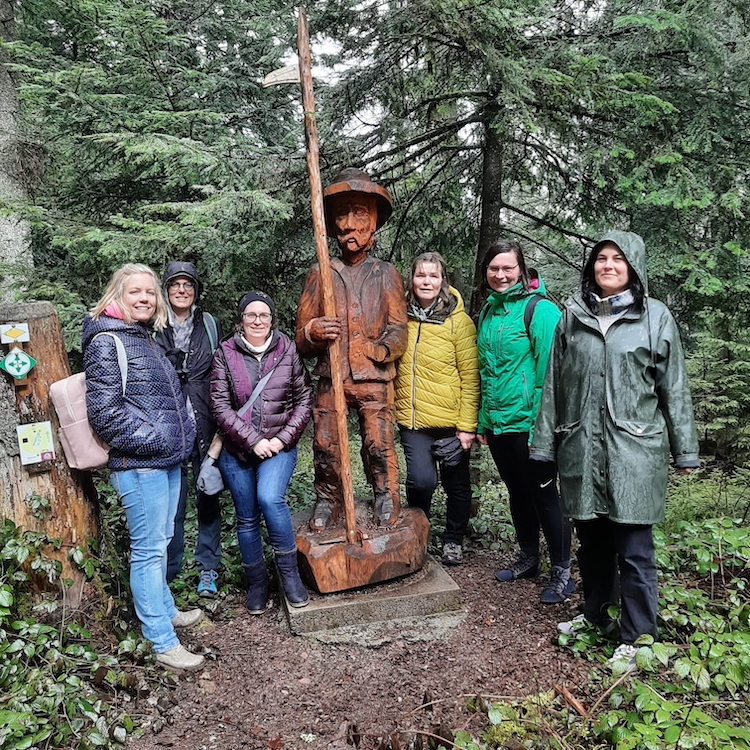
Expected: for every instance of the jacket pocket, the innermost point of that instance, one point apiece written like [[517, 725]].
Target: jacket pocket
[[571, 449], [639, 429], [565, 429]]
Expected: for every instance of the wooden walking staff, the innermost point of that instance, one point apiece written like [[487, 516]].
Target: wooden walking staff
[[324, 262]]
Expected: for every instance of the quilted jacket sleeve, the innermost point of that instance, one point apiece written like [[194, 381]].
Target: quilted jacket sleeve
[[224, 406], [468, 371]]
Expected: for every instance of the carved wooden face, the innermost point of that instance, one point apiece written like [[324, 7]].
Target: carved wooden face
[[355, 216]]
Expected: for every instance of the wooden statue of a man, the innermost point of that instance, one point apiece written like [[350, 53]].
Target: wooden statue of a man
[[371, 325]]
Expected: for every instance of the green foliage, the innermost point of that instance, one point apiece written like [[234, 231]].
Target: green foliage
[[689, 690], [719, 367], [158, 143], [51, 675]]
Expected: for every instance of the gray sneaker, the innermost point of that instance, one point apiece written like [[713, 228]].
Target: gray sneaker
[[180, 658], [523, 567], [560, 586], [187, 619], [452, 554]]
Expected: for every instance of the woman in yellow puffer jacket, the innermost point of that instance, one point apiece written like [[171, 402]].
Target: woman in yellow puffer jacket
[[437, 397]]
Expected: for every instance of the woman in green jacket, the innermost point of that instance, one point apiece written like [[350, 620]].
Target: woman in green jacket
[[616, 401], [514, 347], [437, 395]]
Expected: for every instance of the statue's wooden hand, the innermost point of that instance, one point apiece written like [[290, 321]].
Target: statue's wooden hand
[[375, 352], [323, 329]]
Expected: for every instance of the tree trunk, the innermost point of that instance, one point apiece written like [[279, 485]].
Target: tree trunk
[[14, 232], [73, 513], [492, 204]]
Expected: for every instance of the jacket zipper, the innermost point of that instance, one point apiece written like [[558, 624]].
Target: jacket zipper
[[414, 378]]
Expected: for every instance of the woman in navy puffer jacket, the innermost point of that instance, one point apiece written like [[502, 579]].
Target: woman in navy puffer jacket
[[260, 450], [136, 406]]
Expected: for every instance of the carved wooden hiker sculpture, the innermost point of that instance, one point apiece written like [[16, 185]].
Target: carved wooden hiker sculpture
[[352, 316], [370, 324]]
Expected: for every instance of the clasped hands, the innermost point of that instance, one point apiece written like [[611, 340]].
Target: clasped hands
[[265, 448]]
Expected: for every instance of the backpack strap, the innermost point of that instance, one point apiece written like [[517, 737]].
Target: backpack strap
[[122, 357], [528, 312], [212, 330]]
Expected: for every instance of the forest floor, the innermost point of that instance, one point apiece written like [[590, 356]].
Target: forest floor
[[264, 688]]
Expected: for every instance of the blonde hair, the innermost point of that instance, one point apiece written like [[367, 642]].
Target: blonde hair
[[116, 288]]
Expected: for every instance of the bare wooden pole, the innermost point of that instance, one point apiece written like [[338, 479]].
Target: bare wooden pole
[[321, 247]]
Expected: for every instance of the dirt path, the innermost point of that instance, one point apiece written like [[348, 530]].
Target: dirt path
[[269, 689]]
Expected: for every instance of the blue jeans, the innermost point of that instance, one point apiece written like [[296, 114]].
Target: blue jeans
[[258, 487], [208, 509], [150, 497]]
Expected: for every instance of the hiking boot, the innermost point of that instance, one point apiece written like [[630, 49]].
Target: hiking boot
[[180, 658], [207, 584], [523, 567], [624, 656], [452, 554], [257, 587], [186, 619], [294, 590], [560, 586]]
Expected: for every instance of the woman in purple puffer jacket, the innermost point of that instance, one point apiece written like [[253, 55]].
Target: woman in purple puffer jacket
[[259, 450]]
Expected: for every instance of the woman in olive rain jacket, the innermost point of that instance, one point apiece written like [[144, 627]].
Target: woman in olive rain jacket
[[615, 403]]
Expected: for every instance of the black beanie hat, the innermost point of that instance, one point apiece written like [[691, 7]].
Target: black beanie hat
[[255, 297]]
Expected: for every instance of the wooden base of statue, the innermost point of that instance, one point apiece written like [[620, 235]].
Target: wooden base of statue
[[328, 563]]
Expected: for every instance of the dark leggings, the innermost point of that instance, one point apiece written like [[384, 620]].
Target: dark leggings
[[534, 502], [422, 479]]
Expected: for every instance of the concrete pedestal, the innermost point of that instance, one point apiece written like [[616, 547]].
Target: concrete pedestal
[[426, 602]]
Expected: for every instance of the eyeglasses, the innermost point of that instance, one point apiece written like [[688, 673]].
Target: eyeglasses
[[252, 317], [188, 286], [505, 270]]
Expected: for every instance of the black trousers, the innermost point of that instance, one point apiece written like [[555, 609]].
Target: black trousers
[[618, 564], [534, 502], [422, 479]]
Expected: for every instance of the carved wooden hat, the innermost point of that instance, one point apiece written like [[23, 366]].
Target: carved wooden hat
[[353, 180]]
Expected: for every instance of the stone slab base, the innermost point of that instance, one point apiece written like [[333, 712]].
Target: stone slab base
[[428, 593]]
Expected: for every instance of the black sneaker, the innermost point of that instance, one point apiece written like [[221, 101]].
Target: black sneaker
[[523, 567]]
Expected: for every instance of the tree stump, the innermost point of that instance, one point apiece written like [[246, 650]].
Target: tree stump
[[73, 513]]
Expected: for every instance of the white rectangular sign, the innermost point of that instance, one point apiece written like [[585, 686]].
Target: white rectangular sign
[[35, 442]]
